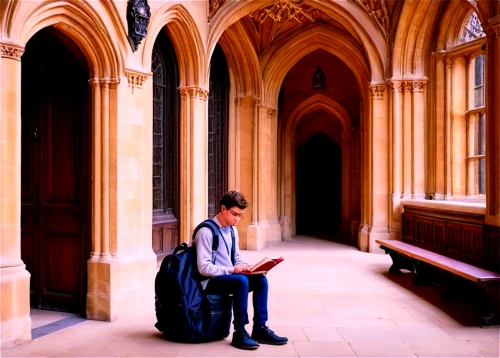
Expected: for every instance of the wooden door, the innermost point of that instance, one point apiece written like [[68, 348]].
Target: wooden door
[[55, 171]]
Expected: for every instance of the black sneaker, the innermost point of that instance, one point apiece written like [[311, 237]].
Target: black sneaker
[[265, 336], [242, 340]]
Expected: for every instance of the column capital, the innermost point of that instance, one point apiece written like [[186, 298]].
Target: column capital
[[11, 51], [377, 91], [418, 86], [396, 85], [196, 92], [237, 101], [493, 27]]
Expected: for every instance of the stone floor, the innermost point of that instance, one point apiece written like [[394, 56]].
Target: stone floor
[[329, 299]]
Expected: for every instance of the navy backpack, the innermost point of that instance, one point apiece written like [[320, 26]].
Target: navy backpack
[[184, 312]]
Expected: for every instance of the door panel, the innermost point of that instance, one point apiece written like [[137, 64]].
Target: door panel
[[55, 171]]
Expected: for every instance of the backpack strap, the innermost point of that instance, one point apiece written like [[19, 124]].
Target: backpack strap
[[233, 247], [214, 228], [212, 225]]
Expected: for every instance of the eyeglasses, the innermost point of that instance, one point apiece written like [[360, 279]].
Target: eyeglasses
[[234, 213]]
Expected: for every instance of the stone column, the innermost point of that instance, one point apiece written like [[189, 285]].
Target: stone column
[[447, 132], [345, 229], [418, 140], [492, 218], [234, 153], [397, 155], [14, 279], [258, 228], [407, 140], [122, 264], [272, 174], [379, 168], [439, 146], [193, 159], [458, 128]]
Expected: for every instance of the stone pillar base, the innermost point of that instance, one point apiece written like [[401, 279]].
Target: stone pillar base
[[363, 238], [377, 234], [286, 228], [121, 285], [263, 234], [15, 306]]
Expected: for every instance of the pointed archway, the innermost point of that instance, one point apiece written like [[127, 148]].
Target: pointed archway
[[319, 186], [55, 171]]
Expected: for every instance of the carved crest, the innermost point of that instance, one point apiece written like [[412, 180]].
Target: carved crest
[[138, 14]]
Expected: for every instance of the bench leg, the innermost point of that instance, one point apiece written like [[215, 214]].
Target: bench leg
[[453, 287], [423, 273], [399, 262], [492, 296]]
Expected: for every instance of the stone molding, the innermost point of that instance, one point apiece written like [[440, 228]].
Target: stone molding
[[135, 79], [377, 91], [11, 51], [104, 82], [196, 92]]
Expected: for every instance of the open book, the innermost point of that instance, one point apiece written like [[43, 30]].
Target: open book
[[263, 266]]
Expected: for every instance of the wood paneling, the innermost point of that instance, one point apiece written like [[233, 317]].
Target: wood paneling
[[462, 236]]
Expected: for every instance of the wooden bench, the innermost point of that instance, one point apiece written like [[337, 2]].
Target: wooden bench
[[421, 262]]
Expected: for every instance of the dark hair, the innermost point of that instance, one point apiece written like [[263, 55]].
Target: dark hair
[[233, 198]]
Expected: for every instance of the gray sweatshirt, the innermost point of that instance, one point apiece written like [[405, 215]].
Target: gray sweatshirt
[[223, 264]]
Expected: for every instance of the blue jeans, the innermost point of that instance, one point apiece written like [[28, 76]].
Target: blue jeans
[[240, 285]]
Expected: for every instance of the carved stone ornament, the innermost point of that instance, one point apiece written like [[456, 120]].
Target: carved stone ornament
[[290, 9], [214, 6], [10, 51], [274, 20], [377, 91], [194, 92], [138, 14], [135, 79], [379, 13]]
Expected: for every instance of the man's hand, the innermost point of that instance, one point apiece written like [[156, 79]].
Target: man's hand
[[241, 268]]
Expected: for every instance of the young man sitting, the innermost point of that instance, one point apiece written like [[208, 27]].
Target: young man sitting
[[226, 277]]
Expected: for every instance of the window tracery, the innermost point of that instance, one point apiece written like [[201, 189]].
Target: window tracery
[[472, 30]]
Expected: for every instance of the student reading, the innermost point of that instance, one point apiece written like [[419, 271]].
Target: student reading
[[226, 278]]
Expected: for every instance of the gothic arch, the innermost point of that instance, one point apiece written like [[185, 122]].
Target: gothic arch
[[187, 42], [287, 156], [306, 42], [80, 22], [312, 104], [351, 16], [242, 62]]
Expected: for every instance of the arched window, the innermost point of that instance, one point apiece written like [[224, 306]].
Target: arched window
[[472, 29], [218, 112], [165, 145]]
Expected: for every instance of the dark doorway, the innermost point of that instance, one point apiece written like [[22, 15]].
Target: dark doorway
[[318, 186], [165, 146], [218, 112], [55, 171]]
